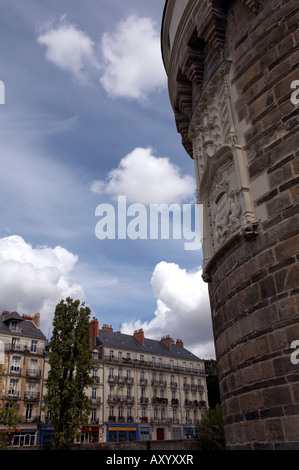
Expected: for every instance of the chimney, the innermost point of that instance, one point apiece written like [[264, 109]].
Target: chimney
[[93, 331], [167, 340], [36, 319], [5, 312], [139, 335], [179, 342], [107, 328]]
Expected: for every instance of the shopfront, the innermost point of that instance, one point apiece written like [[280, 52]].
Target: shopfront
[[128, 432], [90, 435]]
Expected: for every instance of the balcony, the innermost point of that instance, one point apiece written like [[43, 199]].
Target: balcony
[[144, 419], [173, 385], [28, 395], [120, 398], [33, 373], [12, 394], [112, 379], [155, 365], [94, 421], [159, 383], [95, 400], [160, 401], [161, 420], [143, 382], [174, 401], [16, 370]]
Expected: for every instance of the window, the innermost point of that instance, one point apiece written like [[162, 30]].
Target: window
[[171, 364], [16, 361], [160, 361], [93, 414], [111, 373], [94, 393], [111, 410], [153, 361], [13, 387], [128, 355], [15, 343], [141, 357], [129, 411], [111, 354], [120, 411], [120, 374], [29, 408], [13, 326], [33, 346], [120, 355], [143, 411]]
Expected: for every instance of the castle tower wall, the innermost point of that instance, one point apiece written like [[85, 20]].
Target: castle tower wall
[[232, 77]]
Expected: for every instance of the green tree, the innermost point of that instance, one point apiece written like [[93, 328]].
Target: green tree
[[212, 383], [211, 430], [70, 366], [8, 418]]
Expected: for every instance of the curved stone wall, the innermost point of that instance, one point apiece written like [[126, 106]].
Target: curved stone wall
[[231, 69]]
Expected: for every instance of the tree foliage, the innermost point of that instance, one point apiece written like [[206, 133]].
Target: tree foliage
[[70, 366], [212, 383], [211, 430]]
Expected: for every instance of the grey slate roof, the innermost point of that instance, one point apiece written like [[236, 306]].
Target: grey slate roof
[[151, 346], [26, 327]]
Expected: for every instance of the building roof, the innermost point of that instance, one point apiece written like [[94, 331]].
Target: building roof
[[121, 341], [26, 327]]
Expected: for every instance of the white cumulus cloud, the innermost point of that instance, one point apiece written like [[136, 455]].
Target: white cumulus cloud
[[144, 178], [132, 59], [70, 49], [127, 61], [183, 309], [36, 279]]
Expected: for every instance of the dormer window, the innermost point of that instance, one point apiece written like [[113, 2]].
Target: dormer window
[[13, 326]]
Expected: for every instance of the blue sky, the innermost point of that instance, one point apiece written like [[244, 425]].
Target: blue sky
[[87, 119]]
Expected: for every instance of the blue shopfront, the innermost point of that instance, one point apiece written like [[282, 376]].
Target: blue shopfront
[[128, 432]]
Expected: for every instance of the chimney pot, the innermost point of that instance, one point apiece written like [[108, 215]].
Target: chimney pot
[[139, 335]]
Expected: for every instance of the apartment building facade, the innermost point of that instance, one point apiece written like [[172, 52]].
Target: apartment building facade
[[22, 371], [143, 389]]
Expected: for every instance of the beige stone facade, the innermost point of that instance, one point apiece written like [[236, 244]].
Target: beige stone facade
[[231, 70], [23, 357], [143, 389]]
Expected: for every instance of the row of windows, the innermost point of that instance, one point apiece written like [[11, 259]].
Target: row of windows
[[155, 376], [155, 361]]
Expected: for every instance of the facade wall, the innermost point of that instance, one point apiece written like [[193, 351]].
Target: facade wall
[[147, 400], [21, 382], [230, 68]]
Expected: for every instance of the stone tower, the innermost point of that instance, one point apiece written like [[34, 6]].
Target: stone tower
[[232, 81]]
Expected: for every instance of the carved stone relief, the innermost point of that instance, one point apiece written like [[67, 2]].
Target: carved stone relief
[[219, 165]]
